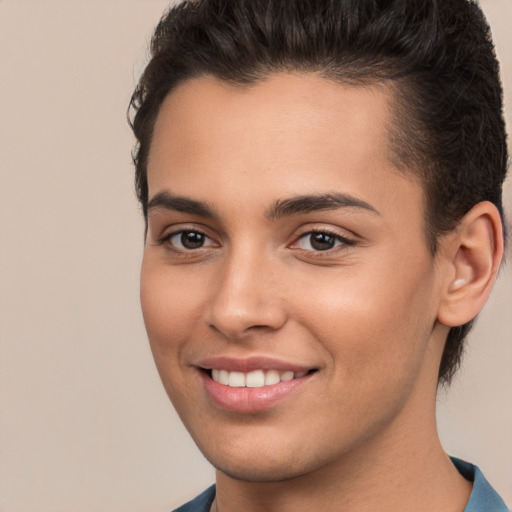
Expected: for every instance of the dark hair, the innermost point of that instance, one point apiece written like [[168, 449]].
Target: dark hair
[[436, 56]]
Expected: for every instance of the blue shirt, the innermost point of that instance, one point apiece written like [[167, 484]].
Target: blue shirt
[[483, 497]]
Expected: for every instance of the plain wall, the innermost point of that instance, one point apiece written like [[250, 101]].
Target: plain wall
[[84, 422]]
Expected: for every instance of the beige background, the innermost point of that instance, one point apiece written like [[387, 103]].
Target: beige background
[[84, 423]]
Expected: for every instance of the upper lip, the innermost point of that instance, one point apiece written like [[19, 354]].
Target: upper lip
[[233, 364]]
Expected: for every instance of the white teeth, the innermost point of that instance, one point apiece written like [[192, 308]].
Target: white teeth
[[223, 377], [272, 377], [254, 379], [236, 380], [286, 376]]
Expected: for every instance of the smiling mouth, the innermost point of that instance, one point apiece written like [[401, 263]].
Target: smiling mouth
[[255, 378], [253, 385]]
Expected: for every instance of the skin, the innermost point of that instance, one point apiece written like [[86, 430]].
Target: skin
[[360, 434]]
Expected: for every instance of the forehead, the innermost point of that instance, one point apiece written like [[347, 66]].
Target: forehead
[[291, 134], [291, 112]]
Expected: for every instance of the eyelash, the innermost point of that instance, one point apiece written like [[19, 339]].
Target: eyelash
[[344, 242], [166, 240]]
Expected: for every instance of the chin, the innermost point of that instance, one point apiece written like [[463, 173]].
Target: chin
[[254, 472], [257, 464]]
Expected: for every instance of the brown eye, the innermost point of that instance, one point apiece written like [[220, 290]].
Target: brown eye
[[189, 240], [322, 241], [318, 241], [192, 239]]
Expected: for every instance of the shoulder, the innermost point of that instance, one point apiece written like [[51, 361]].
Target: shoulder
[[483, 497], [201, 503]]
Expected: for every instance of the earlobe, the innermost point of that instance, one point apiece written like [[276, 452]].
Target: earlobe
[[472, 258]]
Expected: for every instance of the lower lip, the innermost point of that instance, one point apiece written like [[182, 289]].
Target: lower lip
[[251, 400]]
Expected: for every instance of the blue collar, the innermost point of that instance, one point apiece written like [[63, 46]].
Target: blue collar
[[483, 497]]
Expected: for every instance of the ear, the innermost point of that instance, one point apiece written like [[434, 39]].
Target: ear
[[471, 258]]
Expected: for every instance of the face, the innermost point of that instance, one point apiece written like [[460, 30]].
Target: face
[[287, 287]]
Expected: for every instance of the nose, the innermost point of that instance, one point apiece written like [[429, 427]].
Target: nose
[[246, 298]]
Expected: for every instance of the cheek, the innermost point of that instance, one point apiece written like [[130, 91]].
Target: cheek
[[371, 323], [167, 310], [169, 319]]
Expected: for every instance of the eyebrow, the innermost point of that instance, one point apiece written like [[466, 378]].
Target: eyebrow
[[314, 203], [166, 201], [281, 208]]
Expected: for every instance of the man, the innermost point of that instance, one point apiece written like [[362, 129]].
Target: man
[[321, 181]]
